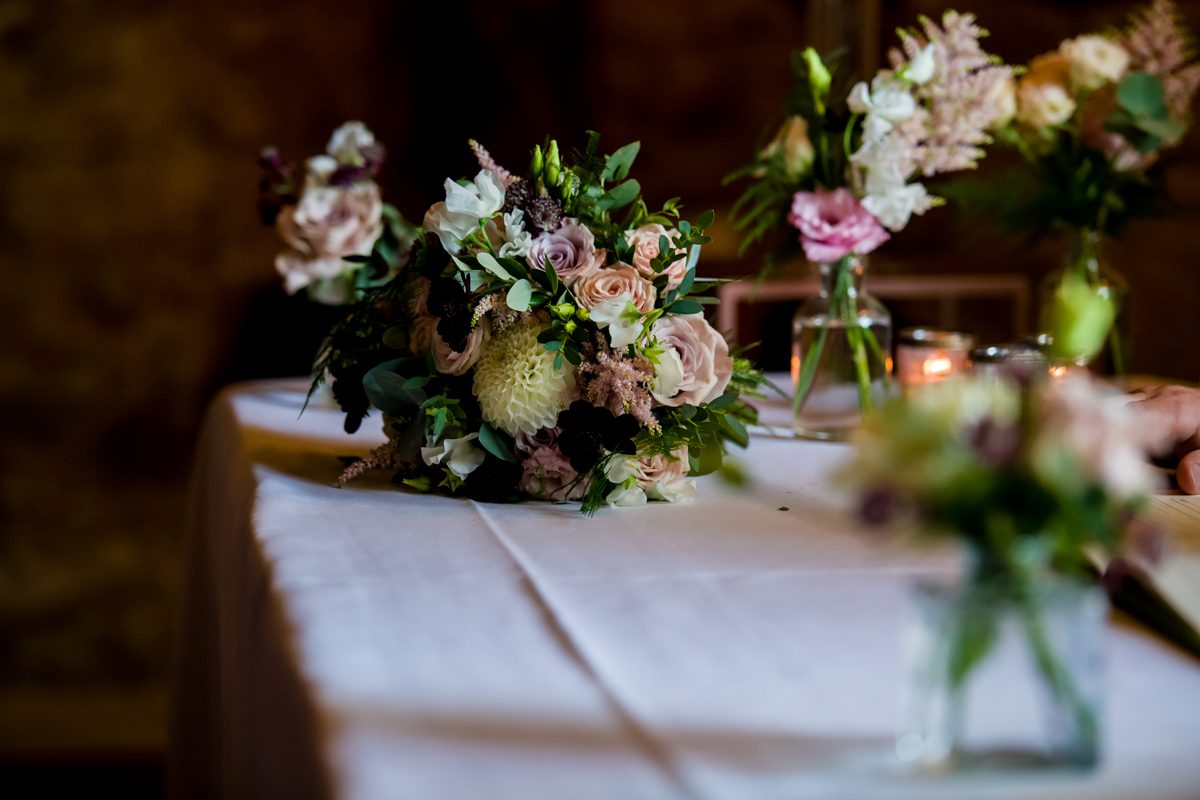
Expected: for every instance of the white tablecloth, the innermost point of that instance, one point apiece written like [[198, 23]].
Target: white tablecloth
[[370, 643]]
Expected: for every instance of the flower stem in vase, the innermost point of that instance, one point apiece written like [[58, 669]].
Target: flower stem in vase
[[839, 364]]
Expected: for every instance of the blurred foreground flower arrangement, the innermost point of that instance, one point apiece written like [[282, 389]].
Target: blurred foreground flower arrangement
[[1031, 481]]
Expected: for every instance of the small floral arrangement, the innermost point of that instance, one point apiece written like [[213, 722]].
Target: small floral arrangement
[[1032, 481], [544, 341], [1094, 116], [340, 236], [842, 173], [1026, 477]]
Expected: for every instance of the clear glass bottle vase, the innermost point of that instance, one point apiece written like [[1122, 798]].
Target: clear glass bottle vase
[[841, 353], [1086, 256]]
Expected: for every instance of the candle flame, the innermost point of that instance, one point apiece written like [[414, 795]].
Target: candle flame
[[937, 367]]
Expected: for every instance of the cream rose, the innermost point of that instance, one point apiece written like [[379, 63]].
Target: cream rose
[[619, 279], [450, 362], [664, 477], [645, 250], [794, 147], [1043, 104], [704, 362], [328, 224], [1094, 61]]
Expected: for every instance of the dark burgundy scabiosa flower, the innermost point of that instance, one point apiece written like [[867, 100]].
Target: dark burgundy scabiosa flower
[[494, 481], [448, 302], [996, 444], [587, 432], [544, 213], [277, 186], [347, 174], [517, 195], [879, 505]]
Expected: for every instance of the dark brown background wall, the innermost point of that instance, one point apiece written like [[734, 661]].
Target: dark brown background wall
[[132, 254]]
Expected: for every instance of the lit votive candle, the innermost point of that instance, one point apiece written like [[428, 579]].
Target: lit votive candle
[[1019, 361], [925, 356]]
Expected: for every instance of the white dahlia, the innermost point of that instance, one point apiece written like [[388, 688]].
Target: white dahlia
[[519, 389]]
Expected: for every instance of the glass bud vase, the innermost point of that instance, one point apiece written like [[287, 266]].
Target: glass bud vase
[[1086, 257], [841, 353], [1004, 674]]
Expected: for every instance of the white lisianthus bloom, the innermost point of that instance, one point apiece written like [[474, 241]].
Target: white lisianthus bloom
[[621, 317], [320, 169], [460, 455], [1094, 60], [347, 142], [463, 208], [682, 490], [921, 68], [626, 497], [517, 240], [895, 206], [885, 104], [668, 373], [621, 468]]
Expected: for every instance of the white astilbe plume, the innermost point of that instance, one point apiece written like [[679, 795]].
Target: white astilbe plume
[[955, 107]]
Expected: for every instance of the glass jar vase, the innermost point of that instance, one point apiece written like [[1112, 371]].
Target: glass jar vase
[[1004, 673], [1087, 258], [841, 353]]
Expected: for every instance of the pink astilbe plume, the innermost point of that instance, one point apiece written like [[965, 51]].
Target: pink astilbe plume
[[622, 385], [386, 456], [1159, 44], [487, 162], [958, 105]]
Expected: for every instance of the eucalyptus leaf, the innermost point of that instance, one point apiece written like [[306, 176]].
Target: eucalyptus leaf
[[388, 391], [1142, 95], [686, 306], [620, 195], [495, 444], [489, 262], [617, 166], [519, 294]]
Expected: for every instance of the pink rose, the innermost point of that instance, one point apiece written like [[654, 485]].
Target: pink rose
[[526, 443], [450, 362], [699, 358], [329, 223], [614, 281], [571, 250], [653, 470], [645, 250], [549, 476], [833, 225]]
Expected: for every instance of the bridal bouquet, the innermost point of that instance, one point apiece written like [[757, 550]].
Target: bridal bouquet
[[340, 236], [543, 341]]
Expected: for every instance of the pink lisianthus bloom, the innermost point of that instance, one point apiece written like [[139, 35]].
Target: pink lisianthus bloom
[[833, 224]]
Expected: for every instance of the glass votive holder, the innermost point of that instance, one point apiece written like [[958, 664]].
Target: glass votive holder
[[1017, 361], [926, 355]]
